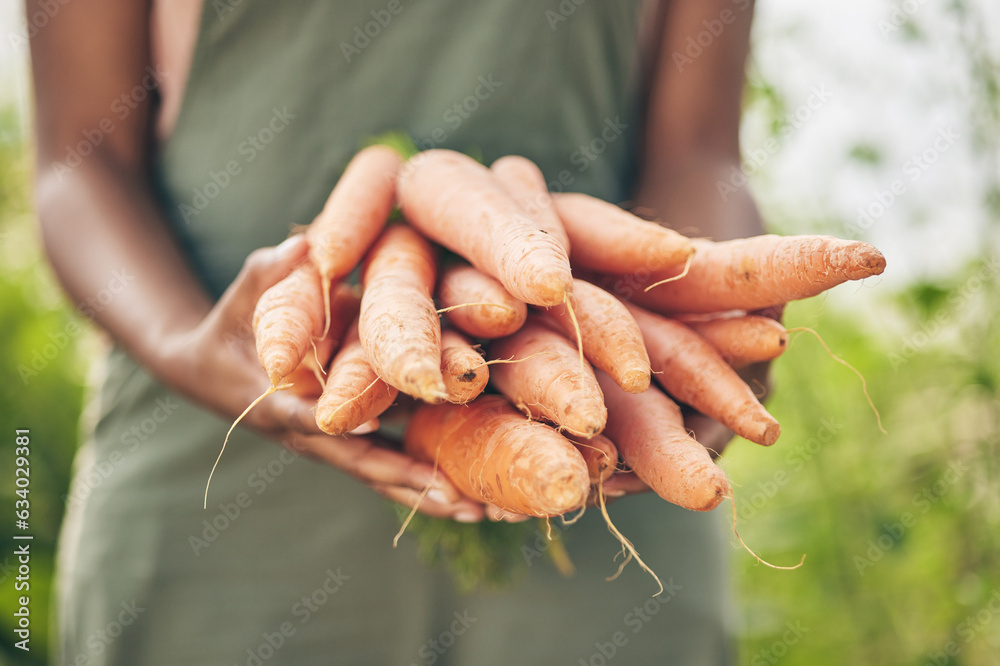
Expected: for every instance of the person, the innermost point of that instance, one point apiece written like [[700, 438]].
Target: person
[[189, 190]]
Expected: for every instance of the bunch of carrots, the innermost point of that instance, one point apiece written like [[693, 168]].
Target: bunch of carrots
[[538, 387]]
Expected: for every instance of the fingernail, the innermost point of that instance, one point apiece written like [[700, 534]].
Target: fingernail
[[615, 493], [467, 517], [289, 246], [437, 495]]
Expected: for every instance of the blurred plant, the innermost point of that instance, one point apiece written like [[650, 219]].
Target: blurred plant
[[48, 402]]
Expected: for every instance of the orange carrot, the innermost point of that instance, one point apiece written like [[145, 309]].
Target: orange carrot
[[611, 338], [462, 284], [759, 272], [399, 327], [309, 378], [353, 215], [463, 368], [690, 370], [743, 340], [492, 454], [550, 382], [353, 394], [649, 432], [458, 203], [606, 238], [524, 181], [600, 454], [287, 318]]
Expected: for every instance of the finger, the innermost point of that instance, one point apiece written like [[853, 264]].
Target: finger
[[292, 412], [621, 484], [372, 464], [463, 510], [261, 270], [366, 428]]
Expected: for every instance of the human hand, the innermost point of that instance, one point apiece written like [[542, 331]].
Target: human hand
[[215, 364]]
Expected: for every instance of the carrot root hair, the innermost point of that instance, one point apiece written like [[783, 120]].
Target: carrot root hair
[[626, 544], [239, 418], [864, 384], [347, 402], [732, 500], [467, 305], [683, 273], [559, 555], [420, 498], [326, 309], [576, 326], [566, 522], [517, 360]]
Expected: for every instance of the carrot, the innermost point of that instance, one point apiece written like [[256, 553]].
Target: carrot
[[308, 378], [601, 457], [649, 431], [353, 215], [398, 326], [353, 394], [690, 370], [604, 237], [286, 319], [458, 203], [524, 181], [492, 454], [760, 272], [465, 373], [611, 339], [462, 284], [743, 340], [550, 382]]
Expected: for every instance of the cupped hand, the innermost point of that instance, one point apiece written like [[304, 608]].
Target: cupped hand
[[216, 365]]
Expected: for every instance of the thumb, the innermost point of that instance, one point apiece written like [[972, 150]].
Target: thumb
[[262, 269]]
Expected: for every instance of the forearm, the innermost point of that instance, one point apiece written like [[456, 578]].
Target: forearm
[[113, 252], [691, 141]]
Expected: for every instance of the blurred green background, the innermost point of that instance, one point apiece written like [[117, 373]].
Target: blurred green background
[[900, 530]]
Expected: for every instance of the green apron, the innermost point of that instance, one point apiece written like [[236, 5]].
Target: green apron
[[292, 563]]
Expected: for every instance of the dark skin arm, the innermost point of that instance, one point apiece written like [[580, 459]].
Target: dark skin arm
[[100, 216], [691, 142]]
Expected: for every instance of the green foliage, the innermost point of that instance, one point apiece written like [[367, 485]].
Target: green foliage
[[42, 391], [482, 555], [900, 530]]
